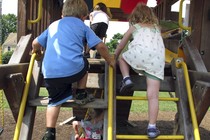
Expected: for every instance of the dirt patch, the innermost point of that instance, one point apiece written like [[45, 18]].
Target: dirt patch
[[138, 124]]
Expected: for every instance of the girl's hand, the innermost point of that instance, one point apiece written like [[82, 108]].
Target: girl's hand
[[76, 136]]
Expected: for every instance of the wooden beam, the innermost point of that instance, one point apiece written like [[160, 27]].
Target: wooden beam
[[201, 93], [184, 121], [13, 92], [196, 16], [198, 76], [95, 80], [30, 111], [93, 61], [193, 57], [7, 69], [205, 41], [43, 101], [140, 83], [22, 18], [21, 53], [172, 2]]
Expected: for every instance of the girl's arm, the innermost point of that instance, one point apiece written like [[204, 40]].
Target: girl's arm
[[76, 124], [124, 41]]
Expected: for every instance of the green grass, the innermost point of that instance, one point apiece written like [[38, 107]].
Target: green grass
[[142, 105]]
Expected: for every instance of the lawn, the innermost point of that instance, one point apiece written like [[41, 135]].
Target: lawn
[[141, 105]]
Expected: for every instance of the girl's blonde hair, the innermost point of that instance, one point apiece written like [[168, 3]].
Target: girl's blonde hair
[[75, 8], [142, 14]]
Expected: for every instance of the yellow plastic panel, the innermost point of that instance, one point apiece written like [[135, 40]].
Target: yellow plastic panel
[[109, 3], [169, 55]]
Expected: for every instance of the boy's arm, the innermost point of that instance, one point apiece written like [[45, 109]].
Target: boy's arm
[[104, 52], [37, 48]]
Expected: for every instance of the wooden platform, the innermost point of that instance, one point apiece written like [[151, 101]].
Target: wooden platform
[[43, 101]]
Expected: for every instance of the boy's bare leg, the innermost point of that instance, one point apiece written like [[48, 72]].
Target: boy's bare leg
[[81, 84], [52, 116]]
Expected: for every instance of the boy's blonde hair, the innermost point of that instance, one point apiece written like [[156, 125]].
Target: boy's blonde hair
[[142, 14], [75, 8]]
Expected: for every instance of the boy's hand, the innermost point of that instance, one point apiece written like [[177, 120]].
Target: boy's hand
[[112, 62], [39, 54]]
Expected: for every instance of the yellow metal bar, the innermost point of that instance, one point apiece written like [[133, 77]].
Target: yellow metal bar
[[191, 103], [145, 98], [110, 103], [39, 14], [24, 98], [180, 17], [145, 137]]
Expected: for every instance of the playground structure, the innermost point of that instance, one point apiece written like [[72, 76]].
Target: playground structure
[[186, 73]]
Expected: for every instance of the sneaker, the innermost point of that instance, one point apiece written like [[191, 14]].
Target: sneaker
[[126, 85], [87, 55], [153, 132], [84, 98], [49, 136], [98, 56]]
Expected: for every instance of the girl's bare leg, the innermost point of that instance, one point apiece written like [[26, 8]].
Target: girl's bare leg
[[153, 87], [124, 67]]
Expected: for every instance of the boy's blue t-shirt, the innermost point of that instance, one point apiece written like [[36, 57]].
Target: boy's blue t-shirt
[[64, 41]]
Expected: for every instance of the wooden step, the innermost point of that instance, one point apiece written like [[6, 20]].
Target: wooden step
[[43, 101]]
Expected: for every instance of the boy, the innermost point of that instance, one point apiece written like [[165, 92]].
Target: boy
[[63, 63]]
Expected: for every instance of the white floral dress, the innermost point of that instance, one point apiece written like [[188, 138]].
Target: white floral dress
[[146, 52]]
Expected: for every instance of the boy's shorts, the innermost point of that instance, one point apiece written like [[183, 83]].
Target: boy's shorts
[[60, 89], [99, 29]]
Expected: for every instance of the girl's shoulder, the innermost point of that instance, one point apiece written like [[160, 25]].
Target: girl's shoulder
[[149, 26], [146, 25]]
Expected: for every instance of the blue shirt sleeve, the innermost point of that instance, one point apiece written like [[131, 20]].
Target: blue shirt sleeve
[[42, 39]]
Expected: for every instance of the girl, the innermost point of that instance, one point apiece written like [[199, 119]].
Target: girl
[[93, 127], [146, 55], [99, 21]]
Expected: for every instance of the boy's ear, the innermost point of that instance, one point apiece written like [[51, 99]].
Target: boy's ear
[[84, 17]]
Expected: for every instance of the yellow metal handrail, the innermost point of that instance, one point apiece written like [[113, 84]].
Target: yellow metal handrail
[[179, 64], [110, 102], [180, 17], [39, 14], [145, 137], [145, 98], [24, 98]]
